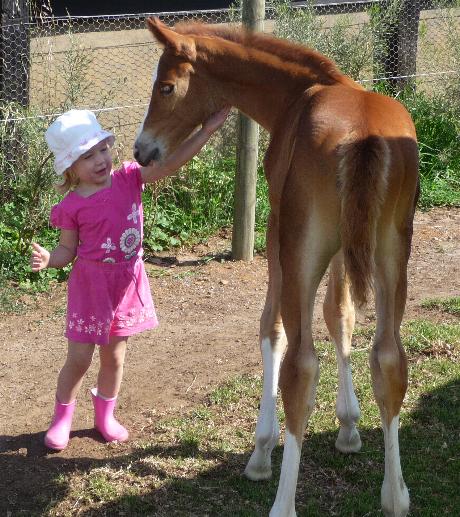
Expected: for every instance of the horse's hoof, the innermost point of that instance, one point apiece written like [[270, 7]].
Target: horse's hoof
[[259, 473], [348, 441], [395, 504]]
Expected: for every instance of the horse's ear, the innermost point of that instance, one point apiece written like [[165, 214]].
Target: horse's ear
[[182, 45]]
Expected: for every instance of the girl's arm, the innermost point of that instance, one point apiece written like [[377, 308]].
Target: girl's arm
[[187, 150], [62, 255]]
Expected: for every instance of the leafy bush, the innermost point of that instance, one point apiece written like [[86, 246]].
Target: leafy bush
[[191, 206], [26, 193], [437, 123]]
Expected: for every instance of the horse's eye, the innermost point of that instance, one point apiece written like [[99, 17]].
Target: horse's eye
[[166, 89]]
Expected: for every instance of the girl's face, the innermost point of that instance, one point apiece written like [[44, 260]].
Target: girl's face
[[93, 167]]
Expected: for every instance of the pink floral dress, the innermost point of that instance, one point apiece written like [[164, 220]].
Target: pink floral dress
[[108, 289]]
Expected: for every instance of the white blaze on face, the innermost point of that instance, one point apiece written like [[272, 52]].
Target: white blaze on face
[[154, 78]]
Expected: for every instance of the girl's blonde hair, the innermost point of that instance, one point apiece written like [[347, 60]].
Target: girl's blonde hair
[[69, 180]]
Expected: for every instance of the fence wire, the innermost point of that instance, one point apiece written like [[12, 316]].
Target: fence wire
[[105, 63]]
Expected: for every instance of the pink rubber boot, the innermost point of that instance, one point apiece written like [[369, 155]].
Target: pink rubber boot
[[104, 421], [57, 436]]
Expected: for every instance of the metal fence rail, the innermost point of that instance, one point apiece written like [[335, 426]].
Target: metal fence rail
[[105, 63]]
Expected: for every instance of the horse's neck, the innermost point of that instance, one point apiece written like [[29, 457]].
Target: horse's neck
[[261, 88]]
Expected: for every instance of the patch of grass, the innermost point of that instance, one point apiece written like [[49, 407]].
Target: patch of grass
[[9, 301], [177, 275], [419, 337], [424, 337], [232, 391], [193, 465], [437, 124], [99, 486], [448, 305]]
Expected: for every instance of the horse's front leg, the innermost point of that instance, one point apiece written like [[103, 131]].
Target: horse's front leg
[[272, 345]]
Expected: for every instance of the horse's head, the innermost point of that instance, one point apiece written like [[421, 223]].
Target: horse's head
[[181, 99]]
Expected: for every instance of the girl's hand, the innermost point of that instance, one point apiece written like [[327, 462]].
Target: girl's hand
[[40, 258], [216, 120]]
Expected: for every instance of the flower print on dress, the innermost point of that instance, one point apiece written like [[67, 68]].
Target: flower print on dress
[[135, 213], [129, 239], [134, 317], [108, 245], [111, 260]]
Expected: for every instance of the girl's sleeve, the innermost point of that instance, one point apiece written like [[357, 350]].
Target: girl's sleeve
[[133, 171], [62, 218]]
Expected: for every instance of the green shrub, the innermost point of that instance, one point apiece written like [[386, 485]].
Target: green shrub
[[346, 43], [438, 128], [26, 193], [192, 205]]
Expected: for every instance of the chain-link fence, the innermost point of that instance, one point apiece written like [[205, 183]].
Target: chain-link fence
[[105, 63]]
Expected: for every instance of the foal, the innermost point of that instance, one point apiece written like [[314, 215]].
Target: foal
[[342, 170]]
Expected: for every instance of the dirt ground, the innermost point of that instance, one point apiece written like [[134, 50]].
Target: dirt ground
[[209, 311]]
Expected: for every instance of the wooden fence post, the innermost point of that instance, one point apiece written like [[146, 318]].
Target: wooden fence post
[[14, 52], [247, 152], [396, 42]]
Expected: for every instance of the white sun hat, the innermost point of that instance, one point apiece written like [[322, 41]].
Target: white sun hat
[[71, 135]]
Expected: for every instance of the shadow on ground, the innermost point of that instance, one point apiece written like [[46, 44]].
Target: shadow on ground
[[329, 483]]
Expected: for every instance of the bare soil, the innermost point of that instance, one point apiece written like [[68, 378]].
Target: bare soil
[[209, 310]]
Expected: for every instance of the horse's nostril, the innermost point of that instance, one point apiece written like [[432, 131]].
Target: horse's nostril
[[144, 157], [155, 154]]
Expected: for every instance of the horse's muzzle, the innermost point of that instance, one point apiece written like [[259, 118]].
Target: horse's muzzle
[[144, 158]]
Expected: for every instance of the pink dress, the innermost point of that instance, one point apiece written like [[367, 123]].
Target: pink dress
[[108, 290]]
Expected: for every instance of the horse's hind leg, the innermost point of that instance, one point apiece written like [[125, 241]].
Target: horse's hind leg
[[305, 252], [272, 345], [388, 360], [339, 315]]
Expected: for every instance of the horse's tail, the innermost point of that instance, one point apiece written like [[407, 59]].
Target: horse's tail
[[363, 175]]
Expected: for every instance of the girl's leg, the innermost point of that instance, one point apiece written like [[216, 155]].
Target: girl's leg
[[112, 358], [79, 356]]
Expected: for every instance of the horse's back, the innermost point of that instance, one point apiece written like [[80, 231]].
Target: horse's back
[[340, 121], [353, 175]]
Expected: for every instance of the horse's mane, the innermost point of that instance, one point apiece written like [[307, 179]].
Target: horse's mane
[[287, 51]]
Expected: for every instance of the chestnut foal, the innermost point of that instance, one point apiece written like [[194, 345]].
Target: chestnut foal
[[342, 170]]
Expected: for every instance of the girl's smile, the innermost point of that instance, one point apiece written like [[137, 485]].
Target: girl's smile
[[93, 169]]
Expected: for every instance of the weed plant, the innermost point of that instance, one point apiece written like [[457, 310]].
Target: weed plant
[[26, 196], [197, 202]]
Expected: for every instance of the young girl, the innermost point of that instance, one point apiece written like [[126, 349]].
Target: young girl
[[109, 297]]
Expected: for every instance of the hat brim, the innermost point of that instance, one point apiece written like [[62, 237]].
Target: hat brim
[[64, 160]]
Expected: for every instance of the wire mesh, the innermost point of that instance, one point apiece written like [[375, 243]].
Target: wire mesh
[[105, 63]]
